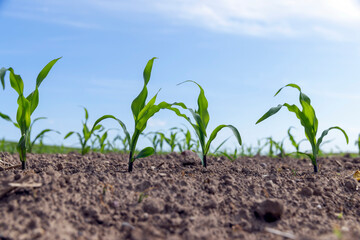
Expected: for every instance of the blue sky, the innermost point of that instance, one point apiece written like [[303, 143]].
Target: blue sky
[[241, 52]]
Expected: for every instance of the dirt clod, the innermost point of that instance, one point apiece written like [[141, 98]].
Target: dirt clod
[[269, 210]]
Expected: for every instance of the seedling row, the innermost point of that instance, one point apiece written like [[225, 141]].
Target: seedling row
[[196, 138]]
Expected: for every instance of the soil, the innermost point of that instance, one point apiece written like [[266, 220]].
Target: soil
[[173, 197]]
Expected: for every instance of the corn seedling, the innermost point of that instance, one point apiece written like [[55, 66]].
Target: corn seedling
[[171, 140], [102, 139], [124, 142], [155, 139], [189, 143], [279, 146], [86, 134], [201, 117], [259, 147], [220, 145], [231, 156], [40, 136], [142, 112], [308, 120], [26, 105], [270, 143], [293, 142], [358, 143]]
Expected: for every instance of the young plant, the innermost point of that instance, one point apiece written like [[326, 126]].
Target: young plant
[[124, 142], [202, 117], [358, 143], [142, 112], [231, 156], [40, 136], [293, 142], [171, 140], [188, 141], [280, 147], [307, 119], [26, 106], [155, 140], [86, 134]]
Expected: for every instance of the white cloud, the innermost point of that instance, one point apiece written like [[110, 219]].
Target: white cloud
[[332, 19], [263, 17]]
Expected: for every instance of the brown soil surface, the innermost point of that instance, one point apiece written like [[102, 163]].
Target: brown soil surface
[[173, 197]]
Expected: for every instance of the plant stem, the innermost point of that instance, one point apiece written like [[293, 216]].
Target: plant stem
[[204, 161], [315, 168], [23, 165], [130, 162]]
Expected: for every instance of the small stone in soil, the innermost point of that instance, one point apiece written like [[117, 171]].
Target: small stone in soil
[[269, 210]]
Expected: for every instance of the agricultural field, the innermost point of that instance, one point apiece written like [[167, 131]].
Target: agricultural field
[[180, 186]]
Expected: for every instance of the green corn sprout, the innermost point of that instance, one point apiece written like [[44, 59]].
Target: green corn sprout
[[308, 120], [231, 156], [259, 147], [102, 139], [171, 141], [155, 140], [142, 112], [293, 142], [86, 134], [201, 117], [271, 144], [280, 147], [40, 136], [124, 142], [26, 106], [188, 141], [358, 143], [220, 145]]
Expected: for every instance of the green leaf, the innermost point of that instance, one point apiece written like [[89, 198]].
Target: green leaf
[[23, 114], [68, 135], [127, 135], [325, 132], [145, 153], [147, 70], [6, 117], [2, 76], [16, 82], [220, 145], [202, 105], [215, 132], [147, 106], [289, 85], [139, 102], [42, 133], [269, 113], [33, 98], [44, 72], [86, 114]]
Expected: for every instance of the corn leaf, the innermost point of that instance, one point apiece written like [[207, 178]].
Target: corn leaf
[[145, 153], [215, 132], [16, 82], [269, 113], [139, 102], [325, 132], [127, 135], [69, 134], [45, 71], [23, 114], [2, 76], [42, 133], [33, 98]]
